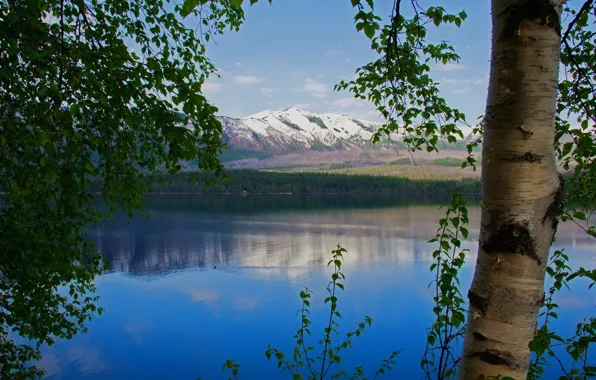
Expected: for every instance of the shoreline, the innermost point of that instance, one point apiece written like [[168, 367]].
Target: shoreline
[[310, 193]]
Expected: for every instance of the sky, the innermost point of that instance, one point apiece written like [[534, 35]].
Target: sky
[[293, 52]]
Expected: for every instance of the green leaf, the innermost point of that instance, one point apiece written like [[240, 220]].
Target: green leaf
[[579, 215], [43, 139], [188, 6], [369, 31], [464, 232], [89, 166]]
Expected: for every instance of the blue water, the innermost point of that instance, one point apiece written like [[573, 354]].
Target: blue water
[[206, 280]]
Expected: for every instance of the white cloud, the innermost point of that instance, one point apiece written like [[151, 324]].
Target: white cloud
[[344, 103], [211, 87], [349, 77], [461, 91], [50, 363], [245, 303], [449, 81], [247, 79], [239, 64], [449, 67], [318, 89], [202, 295], [373, 115], [268, 92], [358, 108], [302, 105], [360, 113], [461, 82], [348, 60], [87, 358], [332, 52]]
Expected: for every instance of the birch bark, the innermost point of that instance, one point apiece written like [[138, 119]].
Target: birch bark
[[522, 190]]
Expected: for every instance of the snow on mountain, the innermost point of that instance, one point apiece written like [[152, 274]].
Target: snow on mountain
[[293, 128]]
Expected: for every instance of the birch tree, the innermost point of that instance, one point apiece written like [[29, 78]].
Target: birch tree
[[528, 113], [90, 95], [522, 189]]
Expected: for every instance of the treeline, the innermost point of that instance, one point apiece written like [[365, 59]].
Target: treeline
[[230, 204], [263, 182]]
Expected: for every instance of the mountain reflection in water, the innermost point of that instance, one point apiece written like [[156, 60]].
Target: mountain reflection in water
[[208, 279]]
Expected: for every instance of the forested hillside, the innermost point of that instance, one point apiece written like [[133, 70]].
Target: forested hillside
[[255, 181]]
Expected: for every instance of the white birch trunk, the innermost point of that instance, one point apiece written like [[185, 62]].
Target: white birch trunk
[[522, 190]]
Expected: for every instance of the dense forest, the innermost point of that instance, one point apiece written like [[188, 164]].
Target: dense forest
[[231, 204], [255, 181]]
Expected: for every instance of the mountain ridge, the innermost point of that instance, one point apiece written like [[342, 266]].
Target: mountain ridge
[[293, 129]]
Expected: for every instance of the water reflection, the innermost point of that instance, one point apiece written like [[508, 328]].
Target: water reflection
[[179, 239], [206, 280]]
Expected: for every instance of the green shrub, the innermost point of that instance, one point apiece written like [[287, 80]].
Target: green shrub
[[302, 363], [401, 161], [449, 161]]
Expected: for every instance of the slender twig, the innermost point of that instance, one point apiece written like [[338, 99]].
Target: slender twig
[[304, 350], [329, 327], [585, 8], [61, 63], [385, 364], [565, 40]]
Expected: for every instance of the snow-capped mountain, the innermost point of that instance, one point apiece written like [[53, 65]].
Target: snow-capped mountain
[[294, 129]]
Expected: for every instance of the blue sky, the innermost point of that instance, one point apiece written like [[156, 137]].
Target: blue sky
[[293, 52]]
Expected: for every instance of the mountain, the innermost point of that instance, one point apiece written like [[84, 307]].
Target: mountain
[[292, 129], [295, 137]]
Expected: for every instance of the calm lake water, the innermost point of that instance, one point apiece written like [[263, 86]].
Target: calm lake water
[[210, 279]]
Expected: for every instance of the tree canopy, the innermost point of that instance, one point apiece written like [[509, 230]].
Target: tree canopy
[[89, 90], [92, 93]]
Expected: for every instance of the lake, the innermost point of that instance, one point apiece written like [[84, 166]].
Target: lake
[[208, 279]]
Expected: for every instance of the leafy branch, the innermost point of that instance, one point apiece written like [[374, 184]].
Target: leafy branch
[[302, 365], [440, 360], [398, 82]]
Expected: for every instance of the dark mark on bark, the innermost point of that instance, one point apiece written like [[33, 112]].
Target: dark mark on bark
[[495, 357], [512, 238], [528, 157], [543, 12], [526, 133], [555, 209], [479, 336], [540, 302], [477, 301]]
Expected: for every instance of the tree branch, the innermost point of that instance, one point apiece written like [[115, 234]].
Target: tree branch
[[585, 8]]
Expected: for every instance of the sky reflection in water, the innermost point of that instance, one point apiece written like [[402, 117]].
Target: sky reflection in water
[[171, 315]]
